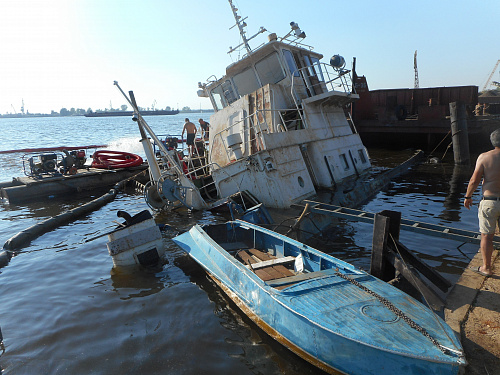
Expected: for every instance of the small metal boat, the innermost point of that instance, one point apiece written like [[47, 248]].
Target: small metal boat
[[339, 318]]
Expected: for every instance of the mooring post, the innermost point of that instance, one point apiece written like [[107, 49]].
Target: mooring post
[[459, 133], [380, 266], [386, 227], [394, 223]]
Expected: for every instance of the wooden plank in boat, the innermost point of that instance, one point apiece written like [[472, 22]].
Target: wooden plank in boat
[[269, 273], [301, 277], [272, 262], [283, 270], [261, 255], [246, 258], [268, 269]]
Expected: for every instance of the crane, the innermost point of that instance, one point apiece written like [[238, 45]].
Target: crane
[[416, 70], [491, 75]]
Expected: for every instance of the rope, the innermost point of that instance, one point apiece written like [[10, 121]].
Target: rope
[[439, 144]]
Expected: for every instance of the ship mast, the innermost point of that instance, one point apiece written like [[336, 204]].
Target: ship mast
[[241, 24]]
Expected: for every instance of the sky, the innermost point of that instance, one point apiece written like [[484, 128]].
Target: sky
[[58, 54]]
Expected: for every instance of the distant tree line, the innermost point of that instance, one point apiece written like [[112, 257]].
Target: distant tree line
[[81, 111]]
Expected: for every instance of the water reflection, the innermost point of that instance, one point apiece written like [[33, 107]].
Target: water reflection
[[454, 199], [138, 282], [50, 207]]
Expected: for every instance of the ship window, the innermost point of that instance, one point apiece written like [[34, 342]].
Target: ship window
[[229, 93], [246, 82], [291, 63], [307, 59], [218, 96], [362, 156], [269, 69], [344, 162], [317, 67]]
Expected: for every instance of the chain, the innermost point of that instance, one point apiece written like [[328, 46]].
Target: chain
[[395, 310]]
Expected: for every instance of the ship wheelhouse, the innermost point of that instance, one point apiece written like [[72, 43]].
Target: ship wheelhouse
[[274, 63], [282, 95]]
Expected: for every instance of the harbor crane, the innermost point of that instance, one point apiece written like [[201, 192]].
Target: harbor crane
[[491, 75], [416, 70]]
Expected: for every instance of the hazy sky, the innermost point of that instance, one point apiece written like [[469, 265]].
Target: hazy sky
[[67, 53]]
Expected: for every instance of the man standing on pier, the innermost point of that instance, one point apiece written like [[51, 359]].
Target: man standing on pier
[[488, 170]]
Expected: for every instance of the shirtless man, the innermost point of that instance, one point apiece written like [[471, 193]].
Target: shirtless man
[[204, 126], [190, 129], [488, 170]]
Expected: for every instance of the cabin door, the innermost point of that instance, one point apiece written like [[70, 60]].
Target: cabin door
[[308, 74]]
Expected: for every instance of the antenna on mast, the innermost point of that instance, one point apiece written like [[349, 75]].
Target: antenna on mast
[[241, 24]]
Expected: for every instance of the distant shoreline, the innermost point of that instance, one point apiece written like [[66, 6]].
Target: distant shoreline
[[29, 115]]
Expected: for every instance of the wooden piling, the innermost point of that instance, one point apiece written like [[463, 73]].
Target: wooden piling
[[380, 266], [389, 256], [459, 133]]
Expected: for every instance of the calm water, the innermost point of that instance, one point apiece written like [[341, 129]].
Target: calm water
[[63, 310]]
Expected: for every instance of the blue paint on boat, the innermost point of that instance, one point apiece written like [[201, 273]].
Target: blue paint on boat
[[332, 314]]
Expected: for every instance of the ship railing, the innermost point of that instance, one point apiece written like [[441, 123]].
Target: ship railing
[[251, 130], [193, 163], [320, 78]]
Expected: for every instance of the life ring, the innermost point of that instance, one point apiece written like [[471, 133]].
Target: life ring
[[115, 159]]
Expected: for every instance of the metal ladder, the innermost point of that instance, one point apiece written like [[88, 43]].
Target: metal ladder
[[410, 225]]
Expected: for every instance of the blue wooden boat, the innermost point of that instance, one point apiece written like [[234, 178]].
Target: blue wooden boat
[[339, 318]]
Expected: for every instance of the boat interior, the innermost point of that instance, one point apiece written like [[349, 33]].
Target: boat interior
[[278, 262]]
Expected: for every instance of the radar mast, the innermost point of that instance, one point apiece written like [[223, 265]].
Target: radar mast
[[241, 25]]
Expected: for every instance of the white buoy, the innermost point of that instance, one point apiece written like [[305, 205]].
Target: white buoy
[[138, 242]]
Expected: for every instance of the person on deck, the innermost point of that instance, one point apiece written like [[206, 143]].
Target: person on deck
[[205, 128], [190, 129], [488, 170]]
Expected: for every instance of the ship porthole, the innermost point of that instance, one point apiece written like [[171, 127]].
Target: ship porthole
[[301, 181]]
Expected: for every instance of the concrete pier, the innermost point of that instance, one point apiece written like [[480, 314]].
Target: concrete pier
[[473, 311]]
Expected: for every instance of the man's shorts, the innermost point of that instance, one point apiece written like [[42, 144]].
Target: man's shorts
[[190, 139], [488, 214]]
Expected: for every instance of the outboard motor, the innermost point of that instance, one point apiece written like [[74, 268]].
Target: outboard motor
[[138, 241]]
